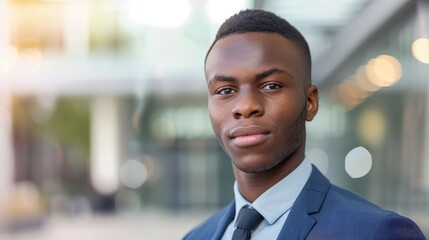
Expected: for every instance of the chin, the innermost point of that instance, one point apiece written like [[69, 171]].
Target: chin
[[264, 163], [257, 166]]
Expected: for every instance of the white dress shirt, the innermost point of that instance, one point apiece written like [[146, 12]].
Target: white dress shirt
[[274, 204]]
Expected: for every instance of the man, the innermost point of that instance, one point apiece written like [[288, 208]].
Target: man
[[258, 73]]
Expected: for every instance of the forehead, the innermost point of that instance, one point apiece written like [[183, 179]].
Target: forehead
[[254, 50]]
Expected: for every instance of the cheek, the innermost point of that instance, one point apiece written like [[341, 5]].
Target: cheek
[[213, 121], [218, 114], [286, 112], [215, 118]]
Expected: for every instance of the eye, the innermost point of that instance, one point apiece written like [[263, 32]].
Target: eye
[[271, 86], [225, 91]]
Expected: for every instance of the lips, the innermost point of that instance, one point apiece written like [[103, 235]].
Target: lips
[[248, 136]]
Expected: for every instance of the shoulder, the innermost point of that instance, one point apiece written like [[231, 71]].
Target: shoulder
[[394, 226], [215, 224], [351, 201], [353, 215]]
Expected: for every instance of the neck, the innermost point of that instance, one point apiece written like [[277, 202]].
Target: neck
[[253, 185]]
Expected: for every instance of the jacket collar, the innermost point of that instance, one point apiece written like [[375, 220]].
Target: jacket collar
[[300, 222], [224, 221]]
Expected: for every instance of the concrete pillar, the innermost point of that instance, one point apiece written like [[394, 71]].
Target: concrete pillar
[[6, 150], [76, 28], [105, 144]]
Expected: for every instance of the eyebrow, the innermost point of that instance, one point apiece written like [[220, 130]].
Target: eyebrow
[[270, 72], [221, 78], [259, 76]]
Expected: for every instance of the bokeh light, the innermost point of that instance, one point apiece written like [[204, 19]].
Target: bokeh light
[[319, 158], [350, 93], [371, 127], [363, 81], [358, 162], [384, 70], [133, 174], [163, 130], [420, 49], [25, 202]]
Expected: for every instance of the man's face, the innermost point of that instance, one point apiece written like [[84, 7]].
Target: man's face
[[259, 99]]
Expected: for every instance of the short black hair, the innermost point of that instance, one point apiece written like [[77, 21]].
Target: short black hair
[[256, 20]]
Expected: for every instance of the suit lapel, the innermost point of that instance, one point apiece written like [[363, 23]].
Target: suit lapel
[[224, 221], [300, 222]]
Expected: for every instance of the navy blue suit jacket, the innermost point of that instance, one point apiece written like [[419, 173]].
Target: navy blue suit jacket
[[324, 211]]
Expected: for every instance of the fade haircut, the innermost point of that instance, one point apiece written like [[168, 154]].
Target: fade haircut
[[256, 20]]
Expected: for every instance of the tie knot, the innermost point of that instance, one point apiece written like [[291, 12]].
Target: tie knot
[[248, 218]]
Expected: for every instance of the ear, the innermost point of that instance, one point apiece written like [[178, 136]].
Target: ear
[[312, 102]]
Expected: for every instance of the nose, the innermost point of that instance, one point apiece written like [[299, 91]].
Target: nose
[[248, 104]]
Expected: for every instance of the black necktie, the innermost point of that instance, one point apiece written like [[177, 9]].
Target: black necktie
[[248, 219]]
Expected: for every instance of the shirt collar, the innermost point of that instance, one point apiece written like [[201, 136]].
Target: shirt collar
[[277, 200]]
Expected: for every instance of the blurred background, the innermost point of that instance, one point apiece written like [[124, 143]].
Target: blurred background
[[104, 132]]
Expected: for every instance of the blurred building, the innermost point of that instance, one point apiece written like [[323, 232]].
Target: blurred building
[[375, 94], [103, 104]]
